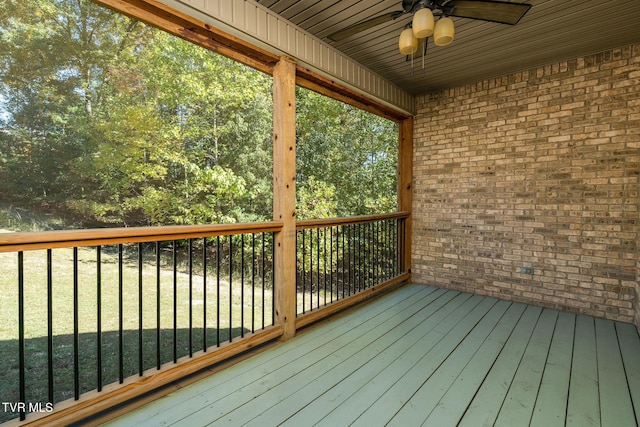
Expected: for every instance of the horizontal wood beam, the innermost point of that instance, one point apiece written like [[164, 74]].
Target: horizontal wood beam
[[311, 80], [198, 32], [329, 222]]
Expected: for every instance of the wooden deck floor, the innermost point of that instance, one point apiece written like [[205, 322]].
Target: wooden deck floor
[[425, 356]]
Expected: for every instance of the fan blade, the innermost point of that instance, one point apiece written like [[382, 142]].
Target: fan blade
[[489, 10], [364, 25]]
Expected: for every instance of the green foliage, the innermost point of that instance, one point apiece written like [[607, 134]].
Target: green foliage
[[107, 119], [347, 150]]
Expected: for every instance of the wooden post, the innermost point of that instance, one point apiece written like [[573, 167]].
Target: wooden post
[[405, 180], [284, 193]]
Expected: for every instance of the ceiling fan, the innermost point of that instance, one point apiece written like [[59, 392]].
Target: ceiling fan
[[423, 23]]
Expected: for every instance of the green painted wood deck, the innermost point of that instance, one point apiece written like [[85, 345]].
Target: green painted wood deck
[[425, 356]]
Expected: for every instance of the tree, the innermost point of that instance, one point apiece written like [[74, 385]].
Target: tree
[[110, 119], [348, 150]]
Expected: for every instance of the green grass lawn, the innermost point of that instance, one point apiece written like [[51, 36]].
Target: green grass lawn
[[230, 306]]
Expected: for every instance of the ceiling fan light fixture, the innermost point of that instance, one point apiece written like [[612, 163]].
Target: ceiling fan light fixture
[[444, 32], [407, 43], [423, 23]]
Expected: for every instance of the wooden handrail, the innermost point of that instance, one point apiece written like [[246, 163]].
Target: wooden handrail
[[327, 222], [12, 242]]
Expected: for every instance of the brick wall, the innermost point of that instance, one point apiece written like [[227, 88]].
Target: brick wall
[[526, 186]]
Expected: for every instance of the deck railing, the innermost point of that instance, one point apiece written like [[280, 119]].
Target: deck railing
[[97, 310], [341, 257]]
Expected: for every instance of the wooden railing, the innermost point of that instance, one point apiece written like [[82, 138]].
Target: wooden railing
[[103, 316], [343, 260]]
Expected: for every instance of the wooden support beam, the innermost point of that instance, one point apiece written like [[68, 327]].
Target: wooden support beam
[[313, 81], [284, 193], [405, 182]]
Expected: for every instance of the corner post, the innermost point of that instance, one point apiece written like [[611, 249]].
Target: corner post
[[284, 193], [405, 184]]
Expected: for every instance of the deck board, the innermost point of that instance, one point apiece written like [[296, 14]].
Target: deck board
[[425, 356], [630, 351], [520, 400], [393, 399], [247, 389], [351, 377], [614, 400], [486, 404], [360, 400], [583, 408], [551, 405], [454, 402]]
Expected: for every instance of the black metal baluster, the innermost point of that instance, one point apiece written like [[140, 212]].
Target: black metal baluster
[[120, 318], [384, 247], [50, 324], [374, 250], [264, 258], [378, 254], [331, 269], [395, 247], [76, 329], [204, 294], [218, 291], [242, 286], [175, 303], [21, 349], [343, 233], [348, 257], [364, 256], [158, 314], [401, 239], [389, 239], [311, 269], [318, 267], [324, 261], [368, 254], [140, 311], [304, 272], [190, 297], [230, 288], [354, 238], [379, 241], [359, 256], [273, 281], [253, 282], [99, 316], [382, 242], [383, 251]]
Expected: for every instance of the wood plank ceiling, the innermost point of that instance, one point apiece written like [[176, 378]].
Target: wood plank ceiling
[[551, 31]]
